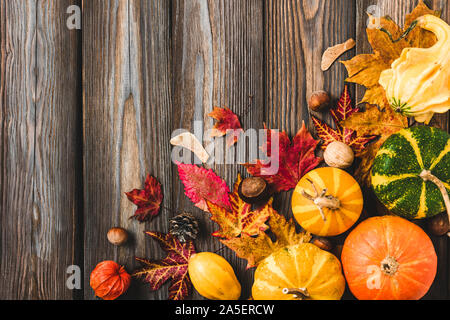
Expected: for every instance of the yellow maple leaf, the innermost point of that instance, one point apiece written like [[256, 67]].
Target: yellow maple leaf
[[239, 219], [256, 249]]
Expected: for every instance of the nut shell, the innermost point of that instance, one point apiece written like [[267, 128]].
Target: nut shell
[[254, 190], [319, 100], [117, 236], [323, 243], [438, 225], [339, 155]]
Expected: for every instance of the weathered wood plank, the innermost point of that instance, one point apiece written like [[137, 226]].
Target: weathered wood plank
[[297, 33], [40, 109], [398, 10], [217, 61], [127, 101], [18, 24]]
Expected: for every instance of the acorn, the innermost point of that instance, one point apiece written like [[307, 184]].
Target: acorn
[[323, 243], [319, 100], [438, 225], [254, 190], [117, 236]]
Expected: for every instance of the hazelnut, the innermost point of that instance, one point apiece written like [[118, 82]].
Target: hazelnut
[[117, 236], [323, 243], [339, 155], [319, 100], [254, 190], [438, 225]]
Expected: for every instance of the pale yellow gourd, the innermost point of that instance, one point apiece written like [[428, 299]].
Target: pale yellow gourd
[[418, 83], [299, 272], [213, 277]]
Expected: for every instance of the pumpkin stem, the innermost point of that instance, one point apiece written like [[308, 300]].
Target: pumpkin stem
[[299, 293], [389, 266], [426, 175], [322, 200], [403, 35]]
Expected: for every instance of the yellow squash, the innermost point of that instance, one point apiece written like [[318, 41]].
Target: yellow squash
[[418, 83], [327, 201], [213, 277], [299, 272]]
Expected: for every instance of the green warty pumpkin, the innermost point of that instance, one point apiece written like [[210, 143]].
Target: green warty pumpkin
[[408, 169]]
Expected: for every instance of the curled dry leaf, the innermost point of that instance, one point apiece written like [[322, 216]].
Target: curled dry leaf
[[331, 54], [240, 219], [190, 142], [227, 124], [201, 185], [288, 162], [256, 249], [174, 266], [148, 200]]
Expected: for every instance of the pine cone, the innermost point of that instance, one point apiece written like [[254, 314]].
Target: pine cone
[[184, 227]]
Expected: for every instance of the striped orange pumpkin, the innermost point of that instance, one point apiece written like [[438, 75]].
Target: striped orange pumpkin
[[327, 201]]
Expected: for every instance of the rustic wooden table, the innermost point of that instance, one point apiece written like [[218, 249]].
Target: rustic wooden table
[[85, 115]]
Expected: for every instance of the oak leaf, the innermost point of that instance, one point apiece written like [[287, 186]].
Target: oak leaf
[[174, 266], [353, 138], [201, 185], [365, 69], [240, 219], [227, 124], [256, 249], [294, 159], [382, 123], [148, 200]]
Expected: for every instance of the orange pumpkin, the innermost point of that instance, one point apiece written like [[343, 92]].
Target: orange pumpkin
[[388, 258], [109, 280], [327, 201]]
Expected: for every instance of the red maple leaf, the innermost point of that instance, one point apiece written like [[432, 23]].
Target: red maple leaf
[[174, 266], [147, 200], [294, 159], [228, 124], [341, 113], [240, 219], [201, 184]]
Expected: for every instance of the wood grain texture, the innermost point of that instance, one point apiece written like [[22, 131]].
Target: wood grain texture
[[127, 101], [217, 61], [297, 33], [397, 10], [39, 142]]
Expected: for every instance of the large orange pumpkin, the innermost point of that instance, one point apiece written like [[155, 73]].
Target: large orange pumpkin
[[388, 258], [327, 201]]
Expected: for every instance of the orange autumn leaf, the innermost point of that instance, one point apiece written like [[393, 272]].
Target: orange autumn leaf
[[365, 69], [256, 249], [240, 220], [227, 124]]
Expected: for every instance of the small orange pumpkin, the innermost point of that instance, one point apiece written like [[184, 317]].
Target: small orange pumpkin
[[109, 280], [327, 201], [388, 258]]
